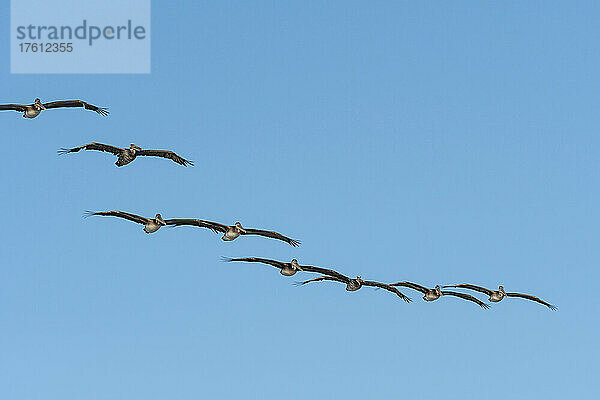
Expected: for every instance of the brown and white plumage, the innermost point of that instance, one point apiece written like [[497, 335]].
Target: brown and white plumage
[[127, 155], [233, 231], [287, 268], [497, 295], [436, 293], [354, 284], [150, 224], [33, 110]]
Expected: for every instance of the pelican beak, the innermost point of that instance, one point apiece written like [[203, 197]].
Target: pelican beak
[[300, 268], [42, 107], [242, 230]]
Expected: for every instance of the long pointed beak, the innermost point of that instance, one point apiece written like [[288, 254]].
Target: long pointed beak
[[242, 230], [43, 108], [300, 268]]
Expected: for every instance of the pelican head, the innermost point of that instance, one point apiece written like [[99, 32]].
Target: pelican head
[[239, 227], [360, 280], [501, 290], [133, 147], [159, 220], [438, 290], [38, 104], [295, 265]]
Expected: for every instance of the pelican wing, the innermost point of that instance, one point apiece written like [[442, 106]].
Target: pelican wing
[[466, 297], [411, 285], [277, 264], [77, 103], [120, 214], [165, 154], [12, 107], [533, 298], [324, 271], [213, 226], [388, 288], [322, 278], [273, 235], [472, 287], [92, 146]]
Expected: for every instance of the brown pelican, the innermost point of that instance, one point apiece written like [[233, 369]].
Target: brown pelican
[[127, 155], [353, 285], [231, 232], [288, 269], [150, 225], [33, 110], [498, 295], [437, 292]]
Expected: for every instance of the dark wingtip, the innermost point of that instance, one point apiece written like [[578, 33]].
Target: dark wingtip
[[62, 150], [295, 243], [299, 283], [103, 111], [87, 214], [485, 306], [226, 259], [553, 307]]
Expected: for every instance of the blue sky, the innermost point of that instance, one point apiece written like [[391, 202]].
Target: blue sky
[[428, 142]]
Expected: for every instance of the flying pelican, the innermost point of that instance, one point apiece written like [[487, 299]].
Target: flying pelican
[[498, 295], [288, 269], [231, 232], [437, 292], [127, 155], [353, 285], [151, 225], [33, 110]]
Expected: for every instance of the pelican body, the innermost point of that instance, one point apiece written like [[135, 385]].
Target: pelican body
[[233, 232], [433, 294], [154, 224], [33, 110], [127, 155], [354, 284]]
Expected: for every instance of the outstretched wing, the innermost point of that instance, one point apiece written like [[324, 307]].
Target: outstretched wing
[[92, 146], [319, 279], [165, 154], [277, 264], [388, 288], [273, 235], [77, 103], [533, 298], [119, 214], [12, 107], [467, 297], [324, 271], [472, 287], [213, 226], [411, 285]]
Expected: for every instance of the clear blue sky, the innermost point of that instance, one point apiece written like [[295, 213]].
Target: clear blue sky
[[428, 142]]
